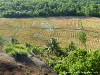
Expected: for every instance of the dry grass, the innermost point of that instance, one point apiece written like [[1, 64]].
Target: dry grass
[[29, 31]]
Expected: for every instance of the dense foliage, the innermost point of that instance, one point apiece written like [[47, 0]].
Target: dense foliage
[[37, 8], [66, 61], [78, 62]]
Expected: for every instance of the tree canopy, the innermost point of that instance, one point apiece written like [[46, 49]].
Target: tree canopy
[[38, 8]]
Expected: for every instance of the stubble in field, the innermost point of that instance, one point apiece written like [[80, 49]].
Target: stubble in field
[[64, 29]]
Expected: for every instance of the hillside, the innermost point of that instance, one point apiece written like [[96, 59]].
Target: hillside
[[29, 66]]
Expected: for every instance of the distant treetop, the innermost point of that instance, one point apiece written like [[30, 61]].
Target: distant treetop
[[45, 8]]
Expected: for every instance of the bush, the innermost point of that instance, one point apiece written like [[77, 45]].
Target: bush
[[53, 47], [37, 50], [19, 52], [71, 46], [78, 62]]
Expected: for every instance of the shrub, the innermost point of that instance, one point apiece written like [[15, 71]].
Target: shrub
[[19, 52], [78, 62], [37, 50], [54, 47], [71, 46]]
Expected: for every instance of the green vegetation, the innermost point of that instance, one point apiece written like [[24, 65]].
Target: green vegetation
[[18, 51], [65, 61], [53, 47], [37, 8], [82, 37], [37, 50], [78, 62], [72, 46]]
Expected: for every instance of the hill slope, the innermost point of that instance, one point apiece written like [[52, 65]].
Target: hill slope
[[34, 66]]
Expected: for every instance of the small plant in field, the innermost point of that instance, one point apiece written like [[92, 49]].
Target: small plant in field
[[82, 37], [71, 46], [53, 47], [28, 45], [14, 40]]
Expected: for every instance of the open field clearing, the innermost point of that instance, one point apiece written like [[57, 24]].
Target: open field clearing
[[64, 29]]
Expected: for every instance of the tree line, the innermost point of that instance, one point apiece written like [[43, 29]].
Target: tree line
[[45, 8]]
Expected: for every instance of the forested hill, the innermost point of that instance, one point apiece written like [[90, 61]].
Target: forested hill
[[37, 8]]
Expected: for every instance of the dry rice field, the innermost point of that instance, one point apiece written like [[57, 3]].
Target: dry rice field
[[37, 30]]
